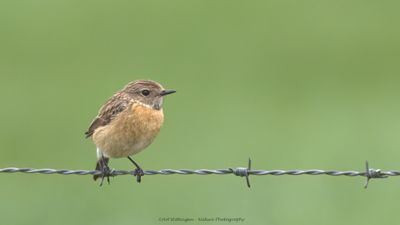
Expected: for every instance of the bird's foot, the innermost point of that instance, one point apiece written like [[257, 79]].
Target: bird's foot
[[138, 173], [106, 172]]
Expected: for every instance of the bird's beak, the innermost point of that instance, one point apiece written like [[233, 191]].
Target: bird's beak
[[167, 92]]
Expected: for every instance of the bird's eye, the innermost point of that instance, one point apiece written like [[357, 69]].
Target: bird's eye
[[145, 92]]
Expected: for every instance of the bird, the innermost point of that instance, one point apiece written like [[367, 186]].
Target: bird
[[127, 123]]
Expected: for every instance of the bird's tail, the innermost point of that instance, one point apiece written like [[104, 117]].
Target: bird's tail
[[101, 165]]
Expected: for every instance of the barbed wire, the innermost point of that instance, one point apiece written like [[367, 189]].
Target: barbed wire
[[369, 173]]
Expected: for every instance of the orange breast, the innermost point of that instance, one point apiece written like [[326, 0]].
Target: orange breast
[[130, 132]]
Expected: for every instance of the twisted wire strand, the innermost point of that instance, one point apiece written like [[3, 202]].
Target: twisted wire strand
[[369, 173], [296, 172]]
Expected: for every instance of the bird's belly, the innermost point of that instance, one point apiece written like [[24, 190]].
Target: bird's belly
[[130, 132]]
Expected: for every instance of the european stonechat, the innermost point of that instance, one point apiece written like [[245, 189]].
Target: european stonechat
[[127, 123]]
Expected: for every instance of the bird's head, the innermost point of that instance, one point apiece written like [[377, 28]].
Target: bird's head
[[147, 92]]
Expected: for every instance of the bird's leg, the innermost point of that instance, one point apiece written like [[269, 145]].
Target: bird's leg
[[105, 170], [138, 171]]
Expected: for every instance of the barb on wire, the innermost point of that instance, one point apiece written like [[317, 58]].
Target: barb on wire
[[372, 173], [243, 172], [369, 173]]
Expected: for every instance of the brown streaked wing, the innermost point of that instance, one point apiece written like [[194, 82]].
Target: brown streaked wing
[[116, 104]]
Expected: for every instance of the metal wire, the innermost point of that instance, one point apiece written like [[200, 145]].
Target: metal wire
[[369, 173]]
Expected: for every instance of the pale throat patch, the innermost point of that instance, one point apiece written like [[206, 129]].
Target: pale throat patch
[[157, 105]]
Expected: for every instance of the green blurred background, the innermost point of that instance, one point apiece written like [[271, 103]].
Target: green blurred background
[[291, 84]]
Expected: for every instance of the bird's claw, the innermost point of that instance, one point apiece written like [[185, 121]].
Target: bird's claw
[[106, 172], [138, 173]]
